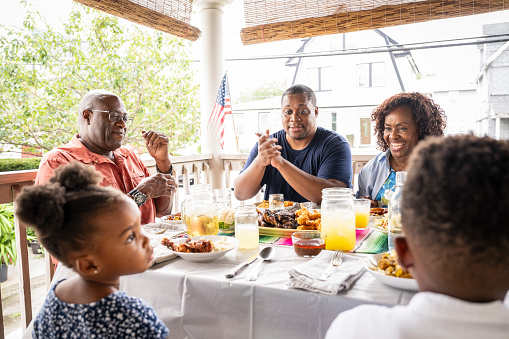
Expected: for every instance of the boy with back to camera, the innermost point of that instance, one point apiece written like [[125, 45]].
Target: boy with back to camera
[[454, 215]]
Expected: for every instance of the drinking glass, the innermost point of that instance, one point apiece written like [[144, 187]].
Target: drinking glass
[[276, 202], [338, 219], [362, 208], [223, 198], [246, 226]]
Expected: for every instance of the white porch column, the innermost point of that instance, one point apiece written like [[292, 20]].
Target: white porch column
[[497, 128], [212, 70]]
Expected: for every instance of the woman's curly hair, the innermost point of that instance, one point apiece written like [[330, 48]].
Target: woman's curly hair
[[62, 211], [428, 116]]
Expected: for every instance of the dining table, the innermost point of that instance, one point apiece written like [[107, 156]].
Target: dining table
[[196, 300]]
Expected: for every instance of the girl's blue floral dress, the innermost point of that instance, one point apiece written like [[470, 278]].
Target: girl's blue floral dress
[[115, 316]]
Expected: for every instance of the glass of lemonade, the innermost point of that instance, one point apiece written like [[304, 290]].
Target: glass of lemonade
[[246, 226], [362, 208], [338, 218]]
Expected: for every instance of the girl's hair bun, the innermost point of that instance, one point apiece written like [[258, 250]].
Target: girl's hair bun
[[42, 207], [76, 176]]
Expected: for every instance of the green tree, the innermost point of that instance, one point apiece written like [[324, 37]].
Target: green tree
[[44, 74], [268, 90]]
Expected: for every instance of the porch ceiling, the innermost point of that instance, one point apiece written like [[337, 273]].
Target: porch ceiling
[[169, 16], [273, 20]]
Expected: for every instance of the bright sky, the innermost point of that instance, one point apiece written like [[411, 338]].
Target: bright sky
[[454, 63]]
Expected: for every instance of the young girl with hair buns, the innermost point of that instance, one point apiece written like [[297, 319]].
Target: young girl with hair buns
[[95, 231]]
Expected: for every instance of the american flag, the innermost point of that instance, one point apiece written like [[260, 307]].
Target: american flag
[[221, 108]]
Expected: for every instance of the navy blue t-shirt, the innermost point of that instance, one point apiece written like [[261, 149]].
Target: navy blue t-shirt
[[327, 156]]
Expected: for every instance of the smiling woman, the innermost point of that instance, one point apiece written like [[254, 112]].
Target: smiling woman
[[401, 122]]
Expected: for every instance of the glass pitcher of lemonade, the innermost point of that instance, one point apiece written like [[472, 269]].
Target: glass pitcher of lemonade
[[199, 211], [338, 218]]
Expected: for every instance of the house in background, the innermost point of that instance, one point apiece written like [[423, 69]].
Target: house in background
[[350, 86], [493, 85]]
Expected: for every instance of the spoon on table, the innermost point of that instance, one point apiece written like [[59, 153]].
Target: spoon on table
[[266, 254]]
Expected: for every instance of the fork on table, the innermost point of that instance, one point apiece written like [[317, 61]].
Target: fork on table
[[336, 260]]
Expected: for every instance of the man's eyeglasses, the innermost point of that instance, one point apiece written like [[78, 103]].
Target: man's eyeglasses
[[115, 116]]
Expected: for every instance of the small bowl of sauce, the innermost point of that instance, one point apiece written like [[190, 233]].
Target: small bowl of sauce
[[308, 243]]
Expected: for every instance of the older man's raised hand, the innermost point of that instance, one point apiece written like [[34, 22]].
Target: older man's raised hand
[[157, 146], [158, 185]]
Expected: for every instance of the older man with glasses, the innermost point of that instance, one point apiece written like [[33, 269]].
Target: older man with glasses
[[103, 123]]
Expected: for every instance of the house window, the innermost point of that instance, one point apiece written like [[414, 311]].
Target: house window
[[333, 124], [238, 120], [263, 122], [371, 74], [453, 97], [365, 131], [319, 78]]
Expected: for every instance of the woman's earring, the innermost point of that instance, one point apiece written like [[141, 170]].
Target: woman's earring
[[95, 271]]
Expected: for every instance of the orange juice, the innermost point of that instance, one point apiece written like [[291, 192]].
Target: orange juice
[[340, 230], [361, 219], [362, 209]]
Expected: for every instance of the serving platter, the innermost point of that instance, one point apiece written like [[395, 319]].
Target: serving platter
[[399, 283], [277, 232]]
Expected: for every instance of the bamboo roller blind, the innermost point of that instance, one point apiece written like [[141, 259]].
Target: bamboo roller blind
[[169, 16], [273, 20]]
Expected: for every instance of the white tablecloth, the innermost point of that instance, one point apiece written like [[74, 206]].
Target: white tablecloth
[[195, 300]]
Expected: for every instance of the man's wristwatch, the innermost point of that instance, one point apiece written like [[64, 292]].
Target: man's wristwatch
[[138, 197], [169, 172]]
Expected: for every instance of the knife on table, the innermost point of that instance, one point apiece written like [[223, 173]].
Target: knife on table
[[237, 268]]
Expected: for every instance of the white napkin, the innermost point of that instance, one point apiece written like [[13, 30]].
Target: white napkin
[[161, 252], [305, 275]]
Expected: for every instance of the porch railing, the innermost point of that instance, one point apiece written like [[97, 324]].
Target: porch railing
[[194, 168]]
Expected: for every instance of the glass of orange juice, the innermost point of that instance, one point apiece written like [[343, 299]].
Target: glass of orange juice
[[338, 218], [362, 208]]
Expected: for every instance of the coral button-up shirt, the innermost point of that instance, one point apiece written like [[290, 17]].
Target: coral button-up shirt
[[125, 175]]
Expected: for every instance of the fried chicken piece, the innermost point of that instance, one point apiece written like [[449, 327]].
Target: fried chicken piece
[[303, 219], [283, 215], [314, 223], [269, 217], [290, 224], [315, 215], [189, 246]]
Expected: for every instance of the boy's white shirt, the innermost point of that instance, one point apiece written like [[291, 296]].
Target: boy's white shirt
[[428, 315]]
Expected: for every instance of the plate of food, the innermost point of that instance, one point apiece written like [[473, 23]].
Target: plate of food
[[202, 248], [386, 269], [175, 218], [172, 222], [279, 223], [226, 220], [283, 223], [380, 224], [378, 211]]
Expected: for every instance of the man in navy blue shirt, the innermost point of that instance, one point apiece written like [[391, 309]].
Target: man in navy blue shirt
[[301, 159]]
